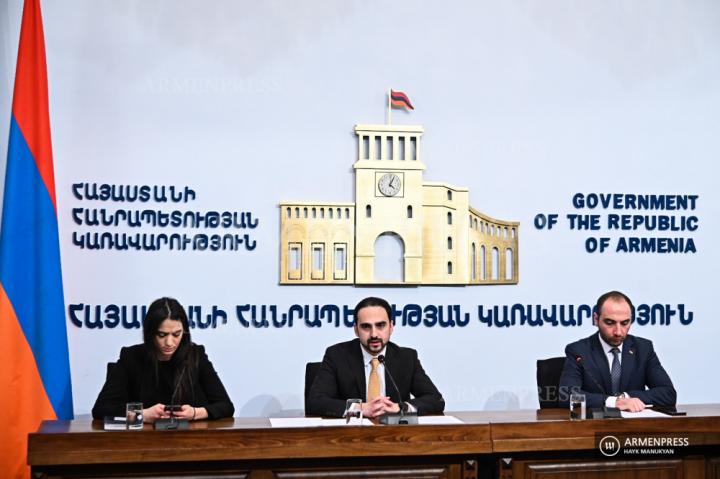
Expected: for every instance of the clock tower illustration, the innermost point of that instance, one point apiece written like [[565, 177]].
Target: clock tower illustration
[[401, 229]]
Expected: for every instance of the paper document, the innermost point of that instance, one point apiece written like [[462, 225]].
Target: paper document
[[319, 422], [116, 423], [439, 420], [644, 413], [315, 422]]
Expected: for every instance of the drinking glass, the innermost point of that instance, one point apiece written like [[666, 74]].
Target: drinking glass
[[134, 415], [353, 411], [577, 406]]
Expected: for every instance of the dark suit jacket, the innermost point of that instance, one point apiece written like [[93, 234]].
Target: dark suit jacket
[[587, 370], [342, 376], [132, 378]]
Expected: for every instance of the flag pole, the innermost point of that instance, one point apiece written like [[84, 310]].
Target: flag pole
[[389, 117]]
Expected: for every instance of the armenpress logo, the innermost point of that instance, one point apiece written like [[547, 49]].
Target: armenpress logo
[[609, 446]]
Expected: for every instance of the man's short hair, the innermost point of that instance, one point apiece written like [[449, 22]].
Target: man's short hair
[[373, 301], [615, 296]]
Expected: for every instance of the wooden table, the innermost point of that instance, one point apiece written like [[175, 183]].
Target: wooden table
[[505, 444], [545, 444]]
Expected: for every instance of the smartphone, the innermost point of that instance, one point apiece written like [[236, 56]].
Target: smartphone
[[669, 410], [173, 408]]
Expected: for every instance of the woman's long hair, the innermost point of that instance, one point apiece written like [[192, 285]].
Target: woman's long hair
[[183, 358]]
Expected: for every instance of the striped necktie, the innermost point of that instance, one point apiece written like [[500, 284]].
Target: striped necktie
[[615, 372]]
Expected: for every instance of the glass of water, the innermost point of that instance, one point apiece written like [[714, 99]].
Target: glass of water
[[134, 415], [577, 406], [353, 411]]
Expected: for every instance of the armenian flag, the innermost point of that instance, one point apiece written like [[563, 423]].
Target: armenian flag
[[400, 99], [35, 374]]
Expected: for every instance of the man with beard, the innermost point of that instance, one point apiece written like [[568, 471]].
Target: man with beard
[[613, 368], [359, 369]]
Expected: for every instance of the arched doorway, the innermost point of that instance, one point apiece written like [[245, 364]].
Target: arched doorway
[[389, 258]]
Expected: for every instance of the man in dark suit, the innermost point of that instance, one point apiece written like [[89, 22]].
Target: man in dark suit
[[613, 368], [353, 370]]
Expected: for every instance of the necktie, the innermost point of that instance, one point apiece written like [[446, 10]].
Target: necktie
[[615, 372], [374, 381]]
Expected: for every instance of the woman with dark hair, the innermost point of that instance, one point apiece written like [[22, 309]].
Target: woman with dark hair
[[167, 368]]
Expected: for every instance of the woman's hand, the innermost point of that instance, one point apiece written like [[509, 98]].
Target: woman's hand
[[191, 413], [153, 413]]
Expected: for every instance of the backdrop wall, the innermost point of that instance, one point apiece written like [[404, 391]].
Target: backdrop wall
[[534, 106]]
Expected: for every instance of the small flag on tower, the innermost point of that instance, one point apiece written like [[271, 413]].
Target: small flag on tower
[[400, 99]]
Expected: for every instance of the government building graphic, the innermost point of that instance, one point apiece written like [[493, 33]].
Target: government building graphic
[[401, 230]]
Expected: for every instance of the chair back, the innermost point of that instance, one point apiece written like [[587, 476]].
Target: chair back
[[311, 370], [110, 367], [548, 381]]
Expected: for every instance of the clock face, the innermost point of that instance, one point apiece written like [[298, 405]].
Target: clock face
[[389, 184]]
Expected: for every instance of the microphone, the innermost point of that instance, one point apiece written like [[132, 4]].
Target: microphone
[[401, 417], [580, 360], [402, 404], [605, 412], [173, 422]]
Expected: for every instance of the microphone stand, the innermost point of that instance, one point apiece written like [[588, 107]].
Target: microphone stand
[[173, 423], [598, 413], [398, 417]]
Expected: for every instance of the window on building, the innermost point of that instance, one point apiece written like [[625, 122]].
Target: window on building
[[368, 211], [495, 264], [483, 263], [318, 261], [449, 267], [449, 242], [509, 264], [294, 265], [409, 211], [340, 261], [449, 195], [449, 218], [473, 261]]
